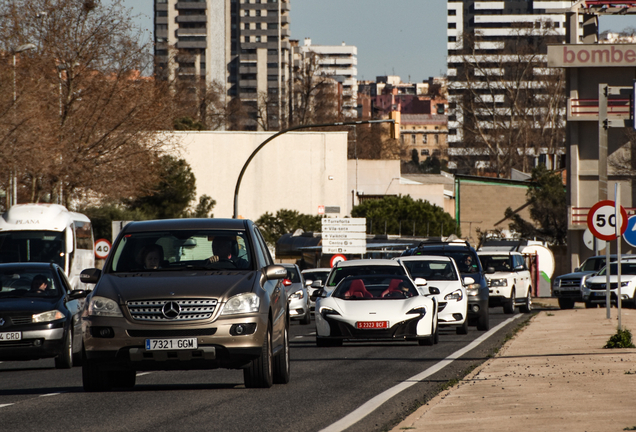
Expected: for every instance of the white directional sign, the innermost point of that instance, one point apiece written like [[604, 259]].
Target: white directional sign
[[344, 235]]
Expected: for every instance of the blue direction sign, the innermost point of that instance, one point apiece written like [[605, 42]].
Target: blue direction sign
[[630, 232]]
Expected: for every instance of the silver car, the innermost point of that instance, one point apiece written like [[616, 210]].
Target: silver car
[[297, 294], [315, 278]]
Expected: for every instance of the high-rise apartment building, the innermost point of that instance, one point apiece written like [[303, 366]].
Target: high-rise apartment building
[[242, 44], [483, 64]]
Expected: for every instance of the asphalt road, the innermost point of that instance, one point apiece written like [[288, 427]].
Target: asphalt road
[[327, 384]]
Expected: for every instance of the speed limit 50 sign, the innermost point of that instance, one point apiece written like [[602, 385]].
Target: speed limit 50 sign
[[601, 220]]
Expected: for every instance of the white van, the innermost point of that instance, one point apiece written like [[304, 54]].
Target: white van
[[48, 233]]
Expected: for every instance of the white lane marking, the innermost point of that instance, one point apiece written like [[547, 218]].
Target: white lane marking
[[298, 337], [374, 403], [6, 405], [50, 394], [144, 373]]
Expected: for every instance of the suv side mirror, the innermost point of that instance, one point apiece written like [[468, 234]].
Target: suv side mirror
[[578, 269], [274, 271], [90, 276], [420, 282], [77, 294], [308, 282], [490, 270], [320, 292], [317, 284], [469, 281]]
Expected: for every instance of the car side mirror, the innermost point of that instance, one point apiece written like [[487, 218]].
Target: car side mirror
[[316, 284], [578, 269], [274, 272], [469, 281], [320, 292], [78, 294], [490, 270], [420, 282], [520, 268], [90, 276], [308, 282]]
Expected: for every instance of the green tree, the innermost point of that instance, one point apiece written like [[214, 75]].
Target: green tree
[[399, 214], [102, 217], [286, 221], [548, 208]]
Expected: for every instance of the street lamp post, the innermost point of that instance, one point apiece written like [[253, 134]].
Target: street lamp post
[[12, 193], [293, 128]]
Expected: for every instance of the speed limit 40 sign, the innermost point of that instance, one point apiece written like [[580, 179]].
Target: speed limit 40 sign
[[601, 220], [102, 247]]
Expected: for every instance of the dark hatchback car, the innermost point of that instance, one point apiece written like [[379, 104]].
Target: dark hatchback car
[[39, 314], [186, 294], [469, 266]]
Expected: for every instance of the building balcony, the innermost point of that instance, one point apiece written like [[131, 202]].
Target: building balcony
[[588, 109], [186, 45], [247, 83], [191, 5], [192, 32], [247, 70], [191, 19]]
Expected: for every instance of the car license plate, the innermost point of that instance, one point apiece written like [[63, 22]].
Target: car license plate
[[171, 344], [10, 336], [599, 294], [372, 324]]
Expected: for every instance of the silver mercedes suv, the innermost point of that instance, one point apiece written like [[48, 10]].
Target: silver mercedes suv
[[186, 294]]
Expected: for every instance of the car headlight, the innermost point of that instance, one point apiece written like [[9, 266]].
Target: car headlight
[[473, 289], [102, 306], [557, 283], [455, 295], [498, 282], [417, 311], [328, 311], [242, 303], [51, 315], [624, 284], [297, 295]]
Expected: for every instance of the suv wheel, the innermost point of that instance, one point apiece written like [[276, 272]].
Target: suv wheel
[[590, 305], [281, 362], [65, 359], [483, 323], [509, 306], [259, 374], [565, 303], [94, 379], [526, 307]]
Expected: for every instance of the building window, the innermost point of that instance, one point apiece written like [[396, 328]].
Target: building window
[[424, 139], [452, 39], [162, 13], [162, 26], [258, 12], [246, 12], [436, 139], [424, 152], [413, 139], [257, 38], [452, 12], [452, 25]]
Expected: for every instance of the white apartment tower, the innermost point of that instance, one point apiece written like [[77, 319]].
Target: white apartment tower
[[482, 30], [243, 44], [339, 62]]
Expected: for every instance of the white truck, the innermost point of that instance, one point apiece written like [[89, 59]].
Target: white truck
[[48, 233]]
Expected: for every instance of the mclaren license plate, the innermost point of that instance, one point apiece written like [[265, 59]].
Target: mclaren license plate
[[370, 325], [10, 336], [171, 344]]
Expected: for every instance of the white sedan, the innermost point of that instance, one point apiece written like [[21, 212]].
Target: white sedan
[[375, 307], [440, 276]]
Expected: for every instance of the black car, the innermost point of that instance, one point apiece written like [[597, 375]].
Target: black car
[[39, 314], [469, 265]]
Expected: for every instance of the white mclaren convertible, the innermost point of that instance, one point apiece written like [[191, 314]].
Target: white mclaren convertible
[[375, 307]]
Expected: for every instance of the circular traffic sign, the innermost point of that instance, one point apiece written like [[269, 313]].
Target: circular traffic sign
[[102, 247], [589, 239], [336, 259], [601, 220], [630, 232]]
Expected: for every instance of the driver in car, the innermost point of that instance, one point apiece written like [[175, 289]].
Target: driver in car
[[223, 249]]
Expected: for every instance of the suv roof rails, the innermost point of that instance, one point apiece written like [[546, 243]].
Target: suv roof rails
[[442, 242]]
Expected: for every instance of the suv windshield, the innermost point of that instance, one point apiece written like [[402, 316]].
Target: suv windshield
[[467, 261], [316, 275], [181, 249], [592, 264], [340, 273], [375, 287], [626, 269], [501, 263], [431, 270]]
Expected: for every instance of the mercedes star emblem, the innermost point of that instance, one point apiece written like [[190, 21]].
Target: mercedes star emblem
[[171, 310]]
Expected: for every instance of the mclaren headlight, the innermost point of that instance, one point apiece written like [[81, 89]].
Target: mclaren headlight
[[242, 303], [328, 311], [102, 306]]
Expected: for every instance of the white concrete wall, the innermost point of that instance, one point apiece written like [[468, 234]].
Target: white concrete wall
[[298, 171]]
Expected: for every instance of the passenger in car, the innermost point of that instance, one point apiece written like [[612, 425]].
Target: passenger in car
[[151, 256], [224, 249], [39, 284]]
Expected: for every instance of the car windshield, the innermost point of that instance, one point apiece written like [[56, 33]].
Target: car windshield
[[32, 246], [388, 287], [293, 275], [182, 249], [340, 273], [626, 269], [431, 270], [501, 263], [18, 282], [466, 261], [593, 264], [316, 275]]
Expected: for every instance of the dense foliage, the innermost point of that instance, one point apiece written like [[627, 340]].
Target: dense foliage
[[284, 222]]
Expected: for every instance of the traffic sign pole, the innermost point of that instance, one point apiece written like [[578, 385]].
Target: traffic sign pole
[[619, 216]]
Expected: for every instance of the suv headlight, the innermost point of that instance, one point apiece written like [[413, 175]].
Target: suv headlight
[[556, 283], [297, 295], [242, 303], [51, 315], [102, 306], [498, 282], [455, 295], [473, 289]]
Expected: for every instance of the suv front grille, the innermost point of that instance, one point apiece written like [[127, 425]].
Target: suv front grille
[[566, 283], [171, 333], [172, 310]]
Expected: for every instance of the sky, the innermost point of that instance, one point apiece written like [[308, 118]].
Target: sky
[[393, 37]]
